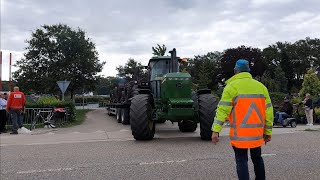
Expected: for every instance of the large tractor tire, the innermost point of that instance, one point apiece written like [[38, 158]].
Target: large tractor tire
[[207, 110], [142, 126], [125, 116], [118, 115], [187, 126]]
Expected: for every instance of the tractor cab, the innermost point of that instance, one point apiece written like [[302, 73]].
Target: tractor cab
[[159, 66]]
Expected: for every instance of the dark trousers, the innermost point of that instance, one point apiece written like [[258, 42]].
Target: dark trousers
[[241, 156], [16, 118], [3, 120]]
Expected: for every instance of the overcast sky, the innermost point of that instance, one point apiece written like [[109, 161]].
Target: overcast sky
[[129, 28]]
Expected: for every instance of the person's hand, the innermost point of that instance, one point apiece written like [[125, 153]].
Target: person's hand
[[215, 137], [267, 138]]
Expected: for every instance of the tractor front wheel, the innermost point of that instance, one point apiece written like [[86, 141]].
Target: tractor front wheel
[[142, 126], [207, 110]]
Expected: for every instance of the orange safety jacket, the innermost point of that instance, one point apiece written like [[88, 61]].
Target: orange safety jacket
[[246, 103], [16, 101], [247, 120]]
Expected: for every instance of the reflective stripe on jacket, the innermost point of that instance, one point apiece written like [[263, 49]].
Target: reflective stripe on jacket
[[247, 105]]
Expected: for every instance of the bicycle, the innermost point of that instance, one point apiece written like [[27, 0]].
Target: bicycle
[[47, 121]]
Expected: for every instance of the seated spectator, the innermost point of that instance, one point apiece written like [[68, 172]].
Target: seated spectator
[[285, 111]]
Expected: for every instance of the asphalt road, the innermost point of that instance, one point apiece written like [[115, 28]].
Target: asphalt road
[[103, 149]]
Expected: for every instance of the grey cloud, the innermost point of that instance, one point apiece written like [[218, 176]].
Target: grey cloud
[[132, 27]]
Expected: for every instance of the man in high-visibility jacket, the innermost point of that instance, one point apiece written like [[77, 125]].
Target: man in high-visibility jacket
[[246, 103], [15, 105]]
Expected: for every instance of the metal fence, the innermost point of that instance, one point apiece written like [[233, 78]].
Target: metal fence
[[31, 113]]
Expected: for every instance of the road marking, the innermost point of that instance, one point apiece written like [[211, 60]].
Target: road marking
[[162, 162], [263, 155], [100, 131], [45, 170]]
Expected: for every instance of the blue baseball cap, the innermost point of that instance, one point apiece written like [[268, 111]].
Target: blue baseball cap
[[242, 65]]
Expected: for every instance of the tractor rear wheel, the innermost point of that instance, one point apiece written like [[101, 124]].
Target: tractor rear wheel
[[125, 116], [187, 126], [142, 126], [207, 110]]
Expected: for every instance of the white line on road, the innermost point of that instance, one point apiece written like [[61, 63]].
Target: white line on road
[[45, 170], [162, 162], [263, 155]]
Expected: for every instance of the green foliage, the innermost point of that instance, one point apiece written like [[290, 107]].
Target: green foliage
[[253, 55], [58, 52], [159, 50], [277, 97], [47, 100], [131, 70], [104, 85], [280, 79], [296, 100], [270, 83], [205, 70], [311, 84]]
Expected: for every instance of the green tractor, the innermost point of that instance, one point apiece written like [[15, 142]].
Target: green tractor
[[169, 96]]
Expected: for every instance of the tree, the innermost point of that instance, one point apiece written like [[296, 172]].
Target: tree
[[311, 84], [131, 70], [159, 50], [270, 83], [104, 85], [57, 52], [206, 70], [253, 55], [280, 80]]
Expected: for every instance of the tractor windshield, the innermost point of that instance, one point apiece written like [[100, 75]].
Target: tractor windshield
[[159, 69]]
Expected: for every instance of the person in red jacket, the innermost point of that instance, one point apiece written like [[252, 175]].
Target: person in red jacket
[[15, 105]]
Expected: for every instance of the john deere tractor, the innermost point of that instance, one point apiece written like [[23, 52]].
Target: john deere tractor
[[169, 96]]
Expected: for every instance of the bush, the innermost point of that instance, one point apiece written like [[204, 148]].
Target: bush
[[277, 98], [47, 100]]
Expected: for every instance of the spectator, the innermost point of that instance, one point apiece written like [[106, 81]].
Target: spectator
[[285, 111], [15, 105], [308, 109], [3, 114]]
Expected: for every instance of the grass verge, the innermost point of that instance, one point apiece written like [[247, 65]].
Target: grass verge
[[80, 117]]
